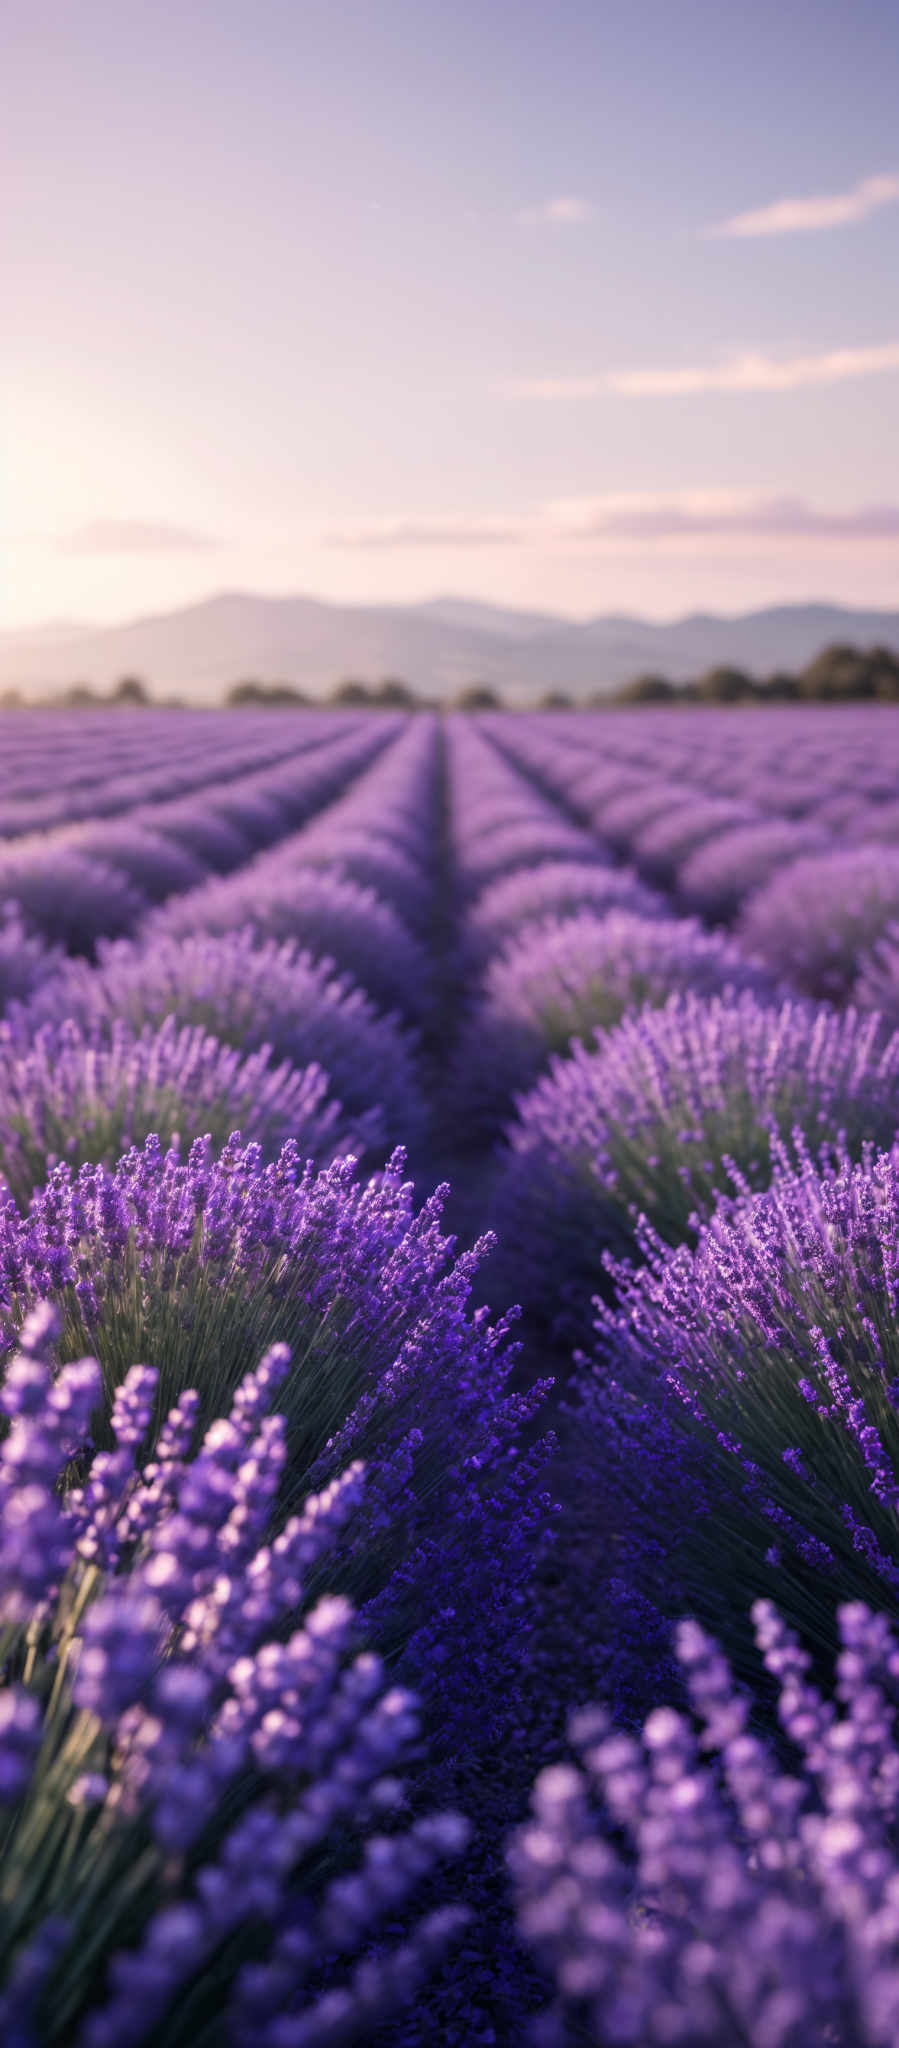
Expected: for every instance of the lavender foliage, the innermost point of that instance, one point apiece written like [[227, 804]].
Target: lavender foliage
[[188, 1263], [191, 1740], [720, 874], [688, 1887], [777, 1338], [532, 897], [67, 898], [332, 918], [672, 1108], [25, 960], [66, 1094], [813, 922], [570, 978], [248, 994]]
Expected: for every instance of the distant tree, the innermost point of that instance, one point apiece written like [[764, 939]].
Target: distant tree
[[554, 700], [723, 685], [779, 688], [394, 694], [11, 700], [130, 690], [647, 689], [885, 671], [279, 696], [351, 692], [852, 673], [478, 697], [77, 695], [246, 692]]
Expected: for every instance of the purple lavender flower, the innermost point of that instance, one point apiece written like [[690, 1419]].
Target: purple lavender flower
[[777, 1337], [685, 1888], [717, 877], [333, 919], [568, 979], [76, 1096], [151, 863], [558, 889], [188, 1264], [196, 1743], [877, 987], [673, 1107], [499, 822], [25, 960], [660, 847], [814, 921], [68, 899], [248, 994]]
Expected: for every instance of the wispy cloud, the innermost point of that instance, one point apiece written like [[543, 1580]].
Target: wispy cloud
[[568, 212], [740, 373], [627, 517], [820, 210], [425, 533], [707, 513], [134, 537]]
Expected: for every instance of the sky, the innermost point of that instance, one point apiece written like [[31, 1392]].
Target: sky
[[583, 307]]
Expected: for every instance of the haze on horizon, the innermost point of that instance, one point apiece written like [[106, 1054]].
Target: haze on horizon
[[587, 309]]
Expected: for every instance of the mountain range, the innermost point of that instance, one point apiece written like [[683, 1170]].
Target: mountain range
[[438, 646]]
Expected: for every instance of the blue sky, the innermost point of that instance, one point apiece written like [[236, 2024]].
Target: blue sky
[[379, 301]]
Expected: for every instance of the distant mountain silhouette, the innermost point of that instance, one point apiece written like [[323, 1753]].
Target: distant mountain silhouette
[[438, 647]]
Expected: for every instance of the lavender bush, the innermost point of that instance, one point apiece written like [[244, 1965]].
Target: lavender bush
[[815, 920], [152, 862], [202, 1826], [190, 1263], [877, 987], [686, 1888], [68, 899], [559, 889], [66, 1095], [248, 994], [717, 877], [570, 978], [668, 840], [333, 919], [779, 1337], [25, 960], [674, 1107]]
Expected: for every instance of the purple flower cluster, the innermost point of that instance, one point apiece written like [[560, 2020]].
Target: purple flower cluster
[[25, 961], [813, 922], [674, 1107], [315, 886], [332, 918], [684, 1887], [533, 897], [67, 1094], [68, 899], [668, 840], [573, 977], [184, 1752], [777, 1337], [717, 878], [380, 832], [877, 987], [187, 1264], [250, 995], [500, 823]]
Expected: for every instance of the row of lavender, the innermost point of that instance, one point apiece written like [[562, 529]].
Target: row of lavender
[[194, 1862], [187, 1783], [713, 1149], [787, 824]]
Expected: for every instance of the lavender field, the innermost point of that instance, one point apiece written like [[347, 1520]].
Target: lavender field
[[449, 1312]]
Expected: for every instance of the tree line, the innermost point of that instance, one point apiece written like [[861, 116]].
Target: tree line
[[839, 674]]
